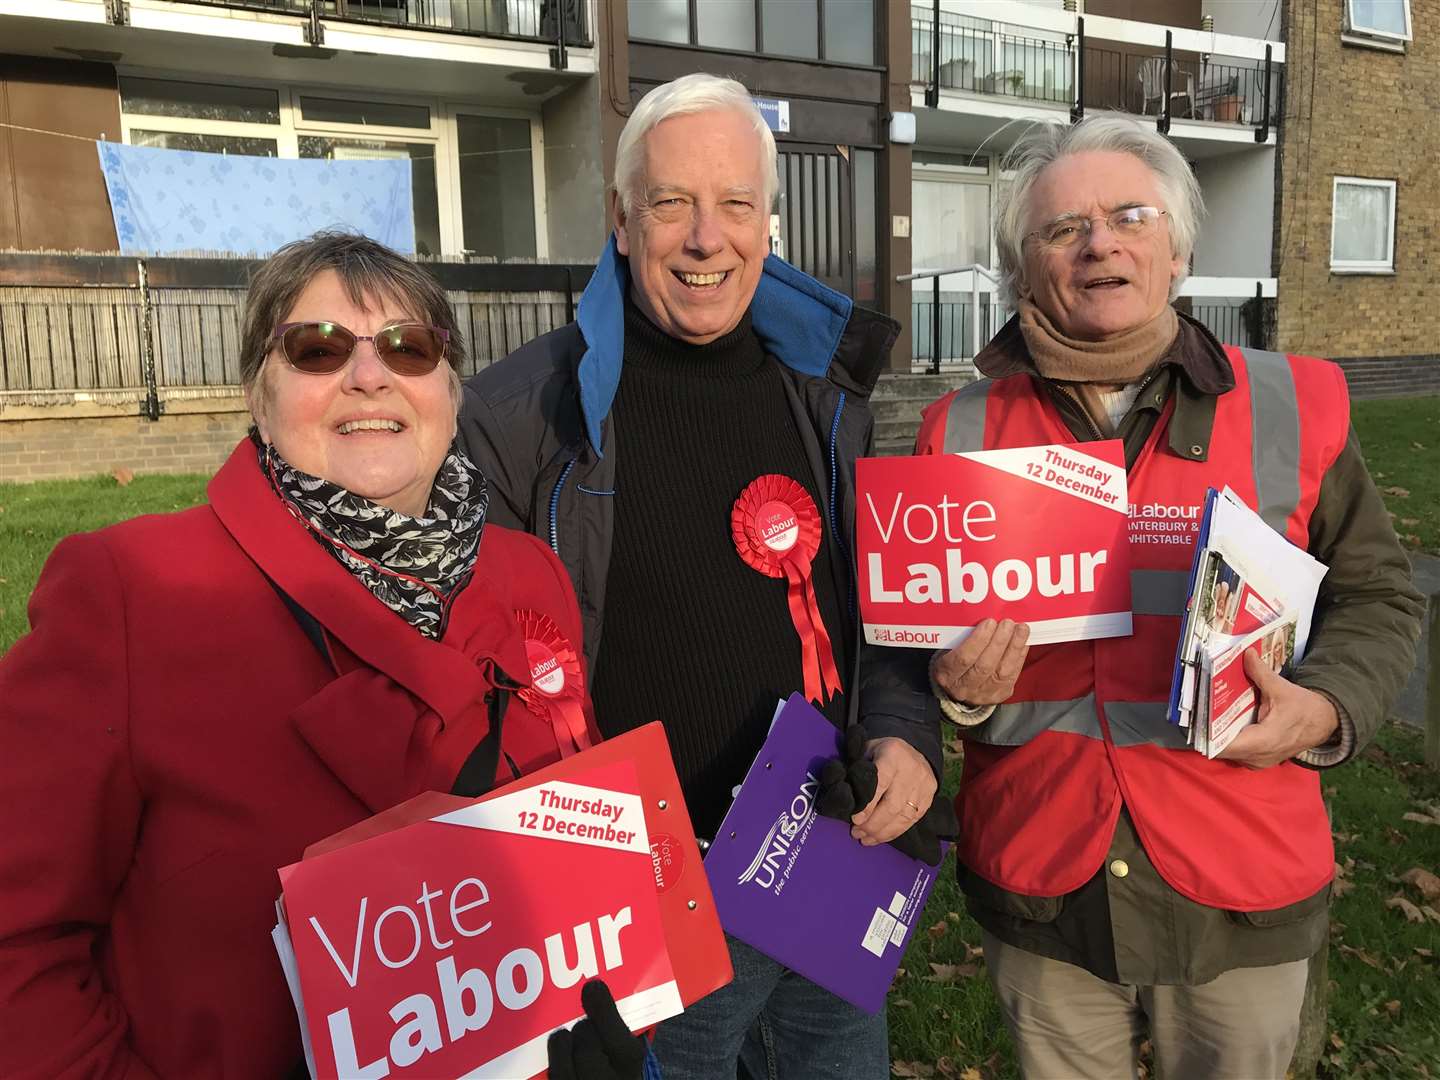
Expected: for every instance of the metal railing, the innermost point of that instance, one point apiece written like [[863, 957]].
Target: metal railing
[[1235, 321], [525, 20], [947, 326], [950, 53], [962, 57], [123, 330]]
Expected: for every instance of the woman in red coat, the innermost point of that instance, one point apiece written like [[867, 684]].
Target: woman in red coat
[[204, 694]]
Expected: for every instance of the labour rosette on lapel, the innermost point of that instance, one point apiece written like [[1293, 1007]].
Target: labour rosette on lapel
[[776, 528], [556, 692]]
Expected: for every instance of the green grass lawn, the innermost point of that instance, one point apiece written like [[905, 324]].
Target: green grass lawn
[[36, 517], [1401, 440], [1385, 997]]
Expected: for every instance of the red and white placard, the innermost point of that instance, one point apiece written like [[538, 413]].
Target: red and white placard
[[454, 946], [1035, 534]]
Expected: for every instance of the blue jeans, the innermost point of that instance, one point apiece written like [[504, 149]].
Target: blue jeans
[[772, 1024]]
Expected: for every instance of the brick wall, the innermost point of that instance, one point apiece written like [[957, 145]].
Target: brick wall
[[67, 445], [1356, 111]]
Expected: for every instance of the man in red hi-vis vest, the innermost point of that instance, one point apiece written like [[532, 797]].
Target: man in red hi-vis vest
[[1125, 883]]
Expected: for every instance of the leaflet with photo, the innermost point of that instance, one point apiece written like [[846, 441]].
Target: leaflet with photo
[[1232, 700]]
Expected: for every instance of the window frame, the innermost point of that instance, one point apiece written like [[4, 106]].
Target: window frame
[[693, 41], [287, 131], [1372, 32], [1364, 266]]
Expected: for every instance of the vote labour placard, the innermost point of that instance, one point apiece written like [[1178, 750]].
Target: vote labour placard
[[1037, 534], [455, 945]]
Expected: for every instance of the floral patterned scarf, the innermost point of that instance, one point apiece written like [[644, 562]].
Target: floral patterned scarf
[[414, 566]]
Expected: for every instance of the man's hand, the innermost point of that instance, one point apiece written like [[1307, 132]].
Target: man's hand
[[983, 668], [1291, 719], [904, 786]]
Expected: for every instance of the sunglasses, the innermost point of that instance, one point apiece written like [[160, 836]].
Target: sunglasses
[[323, 348]]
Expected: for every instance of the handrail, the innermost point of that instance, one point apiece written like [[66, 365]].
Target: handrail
[[976, 271]]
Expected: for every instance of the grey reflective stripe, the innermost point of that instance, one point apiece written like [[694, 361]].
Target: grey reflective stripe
[[965, 423], [1015, 725], [1132, 723], [1159, 592], [1275, 418]]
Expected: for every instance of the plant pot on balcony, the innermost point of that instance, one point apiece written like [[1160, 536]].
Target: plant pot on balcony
[[1227, 108]]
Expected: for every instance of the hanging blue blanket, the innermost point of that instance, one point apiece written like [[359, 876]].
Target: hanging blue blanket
[[170, 201]]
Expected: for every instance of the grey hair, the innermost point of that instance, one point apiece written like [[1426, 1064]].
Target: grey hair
[[365, 268], [694, 93], [1045, 143]]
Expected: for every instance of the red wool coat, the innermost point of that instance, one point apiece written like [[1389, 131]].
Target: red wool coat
[[170, 737]]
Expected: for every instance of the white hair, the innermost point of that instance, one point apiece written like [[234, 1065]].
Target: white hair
[[1044, 144], [694, 93]]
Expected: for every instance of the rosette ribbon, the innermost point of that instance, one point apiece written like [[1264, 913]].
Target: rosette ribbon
[[557, 681], [776, 529]]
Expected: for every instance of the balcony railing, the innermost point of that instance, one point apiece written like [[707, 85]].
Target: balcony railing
[[523, 20], [952, 52], [991, 61]]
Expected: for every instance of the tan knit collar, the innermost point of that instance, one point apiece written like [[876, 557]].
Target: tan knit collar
[[1115, 361]]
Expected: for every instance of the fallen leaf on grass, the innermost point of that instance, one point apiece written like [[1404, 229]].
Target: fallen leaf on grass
[[1336, 1041], [1392, 1007], [122, 475], [971, 1073], [1423, 880], [945, 1067], [1430, 913], [902, 1003], [953, 916], [911, 1069], [1361, 955], [1412, 539], [1423, 819], [1396, 490], [1342, 885], [1417, 445], [1409, 910], [938, 930], [1409, 521], [1426, 953], [951, 972]]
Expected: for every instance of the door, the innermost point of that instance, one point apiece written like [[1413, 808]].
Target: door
[[813, 225]]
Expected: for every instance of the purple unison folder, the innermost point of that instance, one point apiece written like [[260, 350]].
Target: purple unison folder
[[797, 886]]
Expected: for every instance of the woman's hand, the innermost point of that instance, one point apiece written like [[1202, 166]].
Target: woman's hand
[[599, 1047], [983, 669]]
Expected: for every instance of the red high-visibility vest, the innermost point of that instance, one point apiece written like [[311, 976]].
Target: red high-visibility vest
[[1086, 728]]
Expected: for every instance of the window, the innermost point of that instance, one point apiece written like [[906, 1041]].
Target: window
[[1385, 19], [473, 178], [497, 186], [1362, 232], [841, 31]]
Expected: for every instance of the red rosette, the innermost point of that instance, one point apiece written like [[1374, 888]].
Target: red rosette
[[776, 528], [557, 681]]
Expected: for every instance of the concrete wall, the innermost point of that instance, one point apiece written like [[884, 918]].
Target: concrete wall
[[1235, 237], [69, 443], [1359, 112], [575, 175]]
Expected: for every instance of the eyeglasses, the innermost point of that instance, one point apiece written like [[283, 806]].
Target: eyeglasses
[[323, 348], [1129, 222]]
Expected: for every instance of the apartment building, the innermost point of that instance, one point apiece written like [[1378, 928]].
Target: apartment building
[[493, 103], [1359, 225], [1210, 74]]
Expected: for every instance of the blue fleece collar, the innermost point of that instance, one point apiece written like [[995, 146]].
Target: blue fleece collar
[[797, 319]]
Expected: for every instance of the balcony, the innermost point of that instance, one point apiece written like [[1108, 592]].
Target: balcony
[[520, 20], [1203, 88]]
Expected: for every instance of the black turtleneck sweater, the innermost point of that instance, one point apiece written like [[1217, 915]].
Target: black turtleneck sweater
[[693, 636]]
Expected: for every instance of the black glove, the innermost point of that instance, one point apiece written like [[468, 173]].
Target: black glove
[[848, 783], [599, 1047]]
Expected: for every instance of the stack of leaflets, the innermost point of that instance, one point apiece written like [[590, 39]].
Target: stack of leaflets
[[1251, 591]]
